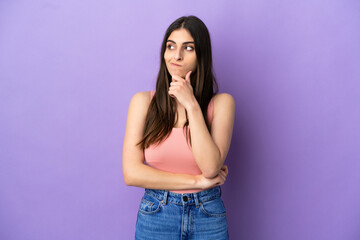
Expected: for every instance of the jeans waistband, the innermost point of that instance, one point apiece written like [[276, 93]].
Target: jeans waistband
[[185, 198]]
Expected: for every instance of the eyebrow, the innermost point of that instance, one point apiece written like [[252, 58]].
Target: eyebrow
[[175, 42]]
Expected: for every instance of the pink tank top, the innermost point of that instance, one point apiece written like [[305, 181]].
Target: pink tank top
[[174, 154]]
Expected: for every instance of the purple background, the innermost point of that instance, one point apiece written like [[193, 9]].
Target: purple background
[[69, 68]]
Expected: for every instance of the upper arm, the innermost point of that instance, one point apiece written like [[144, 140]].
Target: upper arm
[[132, 153], [223, 122]]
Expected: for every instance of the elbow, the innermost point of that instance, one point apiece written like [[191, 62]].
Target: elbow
[[128, 180], [128, 170], [211, 173], [131, 175]]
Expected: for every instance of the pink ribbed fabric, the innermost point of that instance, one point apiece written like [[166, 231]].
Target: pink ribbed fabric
[[174, 154]]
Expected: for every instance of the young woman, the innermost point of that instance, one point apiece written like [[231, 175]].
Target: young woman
[[177, 139]]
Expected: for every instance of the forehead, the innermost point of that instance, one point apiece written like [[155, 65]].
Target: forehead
[[180, 35]]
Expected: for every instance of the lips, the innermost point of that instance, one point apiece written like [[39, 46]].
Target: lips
[[176, 65]]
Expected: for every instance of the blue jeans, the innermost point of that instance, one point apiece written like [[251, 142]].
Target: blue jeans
[[167, 215]]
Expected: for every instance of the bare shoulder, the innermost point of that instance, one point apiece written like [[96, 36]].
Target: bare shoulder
[[141, 97], [139, 105], [140, 100], [224, 101]]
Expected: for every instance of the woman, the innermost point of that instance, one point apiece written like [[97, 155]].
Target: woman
[[177, 139]]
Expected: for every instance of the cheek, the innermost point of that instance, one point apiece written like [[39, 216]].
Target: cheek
[[166, 56], [194, 61], [194, 64]]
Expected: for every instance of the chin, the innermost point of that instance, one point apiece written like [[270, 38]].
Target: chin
[[179, 74]]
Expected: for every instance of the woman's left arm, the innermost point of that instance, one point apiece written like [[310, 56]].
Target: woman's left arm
[[209, 149]]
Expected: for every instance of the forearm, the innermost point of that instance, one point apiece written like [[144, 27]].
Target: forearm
[[141, 175], [206, 153]]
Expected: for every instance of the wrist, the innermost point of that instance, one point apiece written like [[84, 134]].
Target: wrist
[[193, 105], [197, 183]]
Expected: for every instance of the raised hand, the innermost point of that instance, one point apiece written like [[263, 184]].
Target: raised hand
[[182, 90]]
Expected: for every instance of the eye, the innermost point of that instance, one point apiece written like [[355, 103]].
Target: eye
[[190, 48], [169, 46]]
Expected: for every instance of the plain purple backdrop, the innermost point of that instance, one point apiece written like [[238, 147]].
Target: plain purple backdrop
[[69, 68]]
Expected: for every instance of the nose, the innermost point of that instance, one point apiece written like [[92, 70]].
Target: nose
[[177, 55]]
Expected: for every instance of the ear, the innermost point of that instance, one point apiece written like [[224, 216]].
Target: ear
[[187, 77]]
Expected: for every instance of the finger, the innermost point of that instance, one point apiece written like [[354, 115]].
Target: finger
[[225, 168], [226, 173], [223, 178], [222, 175], [177, 78], [175, 84], [171, 93]]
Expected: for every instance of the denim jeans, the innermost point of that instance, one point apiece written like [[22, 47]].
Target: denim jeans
[[167, 215]]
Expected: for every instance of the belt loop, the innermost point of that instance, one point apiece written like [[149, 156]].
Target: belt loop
[[197, 204], [220, 191], [165, 197]]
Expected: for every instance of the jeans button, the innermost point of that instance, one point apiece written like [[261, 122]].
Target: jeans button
[[185, 198]]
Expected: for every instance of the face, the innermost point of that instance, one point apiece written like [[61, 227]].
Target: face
[[180, 56]]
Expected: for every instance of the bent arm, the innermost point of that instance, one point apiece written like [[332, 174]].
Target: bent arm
[[136, 173], [210, 149], [141, 175]]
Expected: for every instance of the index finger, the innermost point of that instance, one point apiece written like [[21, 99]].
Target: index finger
[[225, 169], [177, 78]]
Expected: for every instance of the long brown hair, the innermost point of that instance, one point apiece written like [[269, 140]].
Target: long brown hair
[[160, 118]]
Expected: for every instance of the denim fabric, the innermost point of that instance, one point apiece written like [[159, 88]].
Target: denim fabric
[[167, 215]]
